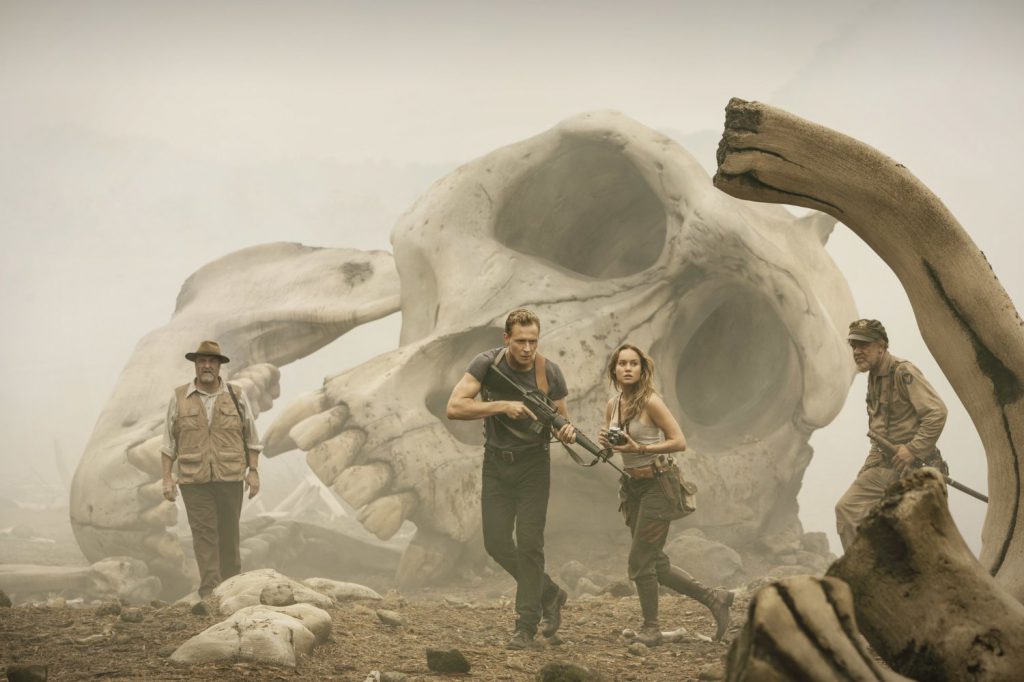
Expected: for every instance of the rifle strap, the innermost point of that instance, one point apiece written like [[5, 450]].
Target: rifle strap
[[241, 416]]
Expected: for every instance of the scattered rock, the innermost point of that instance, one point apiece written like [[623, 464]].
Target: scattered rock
[[56, 603], [166, 650], [677, 635], [708, 561], [389, 617], [202, 608], [26, 673], [245, 589], [5, 601], [638, 649], [447, 661], [778, 572], [562, 671], [620, 588], [277, 593], [457, 603], [132, 615], [816, 543], [341, 591], [785, 541], [587, 586], [158, 604], [268, 634], [714, 671], [572, 571]]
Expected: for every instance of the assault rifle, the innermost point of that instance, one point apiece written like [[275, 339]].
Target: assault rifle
[[548, 417], [889, 448]]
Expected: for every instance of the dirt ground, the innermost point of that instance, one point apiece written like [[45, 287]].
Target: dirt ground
[[78, 644], [360, 643]]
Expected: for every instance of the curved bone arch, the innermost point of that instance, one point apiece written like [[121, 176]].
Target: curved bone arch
[[966, 318]]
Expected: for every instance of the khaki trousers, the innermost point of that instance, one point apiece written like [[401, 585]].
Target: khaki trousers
[[867, 489], [213, 511]]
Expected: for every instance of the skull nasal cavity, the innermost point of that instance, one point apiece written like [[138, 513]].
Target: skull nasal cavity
[[739, 375], [587, 209]]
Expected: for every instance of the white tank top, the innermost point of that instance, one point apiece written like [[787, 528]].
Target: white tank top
[[645, 434]]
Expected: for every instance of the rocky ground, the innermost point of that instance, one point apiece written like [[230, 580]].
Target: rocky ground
[[78, 641]]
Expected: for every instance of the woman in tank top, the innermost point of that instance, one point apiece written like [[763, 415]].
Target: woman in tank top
[[649, 430]]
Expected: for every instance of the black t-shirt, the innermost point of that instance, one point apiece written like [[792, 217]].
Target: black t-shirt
[[495, 431]]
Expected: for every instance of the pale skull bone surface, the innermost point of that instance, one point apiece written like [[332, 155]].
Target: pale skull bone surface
[[610, 232], [267, 305]]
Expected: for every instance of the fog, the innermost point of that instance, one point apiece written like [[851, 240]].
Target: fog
[[140, 141]]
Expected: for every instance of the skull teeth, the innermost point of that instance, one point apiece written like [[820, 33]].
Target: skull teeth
[[278, 439], [360, 484], [333, 456], [162, 515], [165, 545], [309, 433], [384, 516], [146, 456], [151, 494]]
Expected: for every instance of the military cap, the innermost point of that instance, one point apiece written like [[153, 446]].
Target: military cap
[[867, 330]]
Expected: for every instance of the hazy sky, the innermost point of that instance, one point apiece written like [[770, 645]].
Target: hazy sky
[[140, 140]]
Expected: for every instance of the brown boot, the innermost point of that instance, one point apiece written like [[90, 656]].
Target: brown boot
[[720, 605], [647, 591], [649, 635], [717, 600]]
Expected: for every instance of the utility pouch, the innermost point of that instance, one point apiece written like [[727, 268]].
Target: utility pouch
[[681, 494]]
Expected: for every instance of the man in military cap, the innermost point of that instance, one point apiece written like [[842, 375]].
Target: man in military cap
[[903, 408], [210, 433]]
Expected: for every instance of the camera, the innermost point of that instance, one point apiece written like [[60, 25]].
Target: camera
[[616, 436]]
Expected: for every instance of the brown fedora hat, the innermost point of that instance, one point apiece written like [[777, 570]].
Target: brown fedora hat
[[211, 348]]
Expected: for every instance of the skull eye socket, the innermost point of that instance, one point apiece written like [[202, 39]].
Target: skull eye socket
[[588, 209], [451, 356], [738, 375]]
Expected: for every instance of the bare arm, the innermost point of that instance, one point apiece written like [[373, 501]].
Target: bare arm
[[462, 404], [663, 419]]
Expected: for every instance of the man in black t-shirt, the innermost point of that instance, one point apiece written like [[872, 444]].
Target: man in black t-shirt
[[517, 468]]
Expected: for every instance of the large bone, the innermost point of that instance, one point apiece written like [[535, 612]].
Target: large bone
[[803, 628], [966, 318], [114, 578], [923, 601]]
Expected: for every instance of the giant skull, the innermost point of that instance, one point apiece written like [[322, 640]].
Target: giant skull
[[610, 232]]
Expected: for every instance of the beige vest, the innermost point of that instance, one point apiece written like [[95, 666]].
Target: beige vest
[[208, 451]]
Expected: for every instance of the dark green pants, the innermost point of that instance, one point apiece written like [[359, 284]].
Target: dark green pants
[[213, 511], [514, 499]]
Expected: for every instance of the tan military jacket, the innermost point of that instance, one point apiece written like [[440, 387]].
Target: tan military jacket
[[208, 449], [903, 407]]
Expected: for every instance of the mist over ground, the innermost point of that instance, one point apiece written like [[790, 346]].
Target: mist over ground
[[139, 142]]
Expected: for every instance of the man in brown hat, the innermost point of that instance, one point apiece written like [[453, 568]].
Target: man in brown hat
[[211, 434], [903, 408]]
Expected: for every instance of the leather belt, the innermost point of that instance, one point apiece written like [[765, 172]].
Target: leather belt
[[513, 455], [646, 471]]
